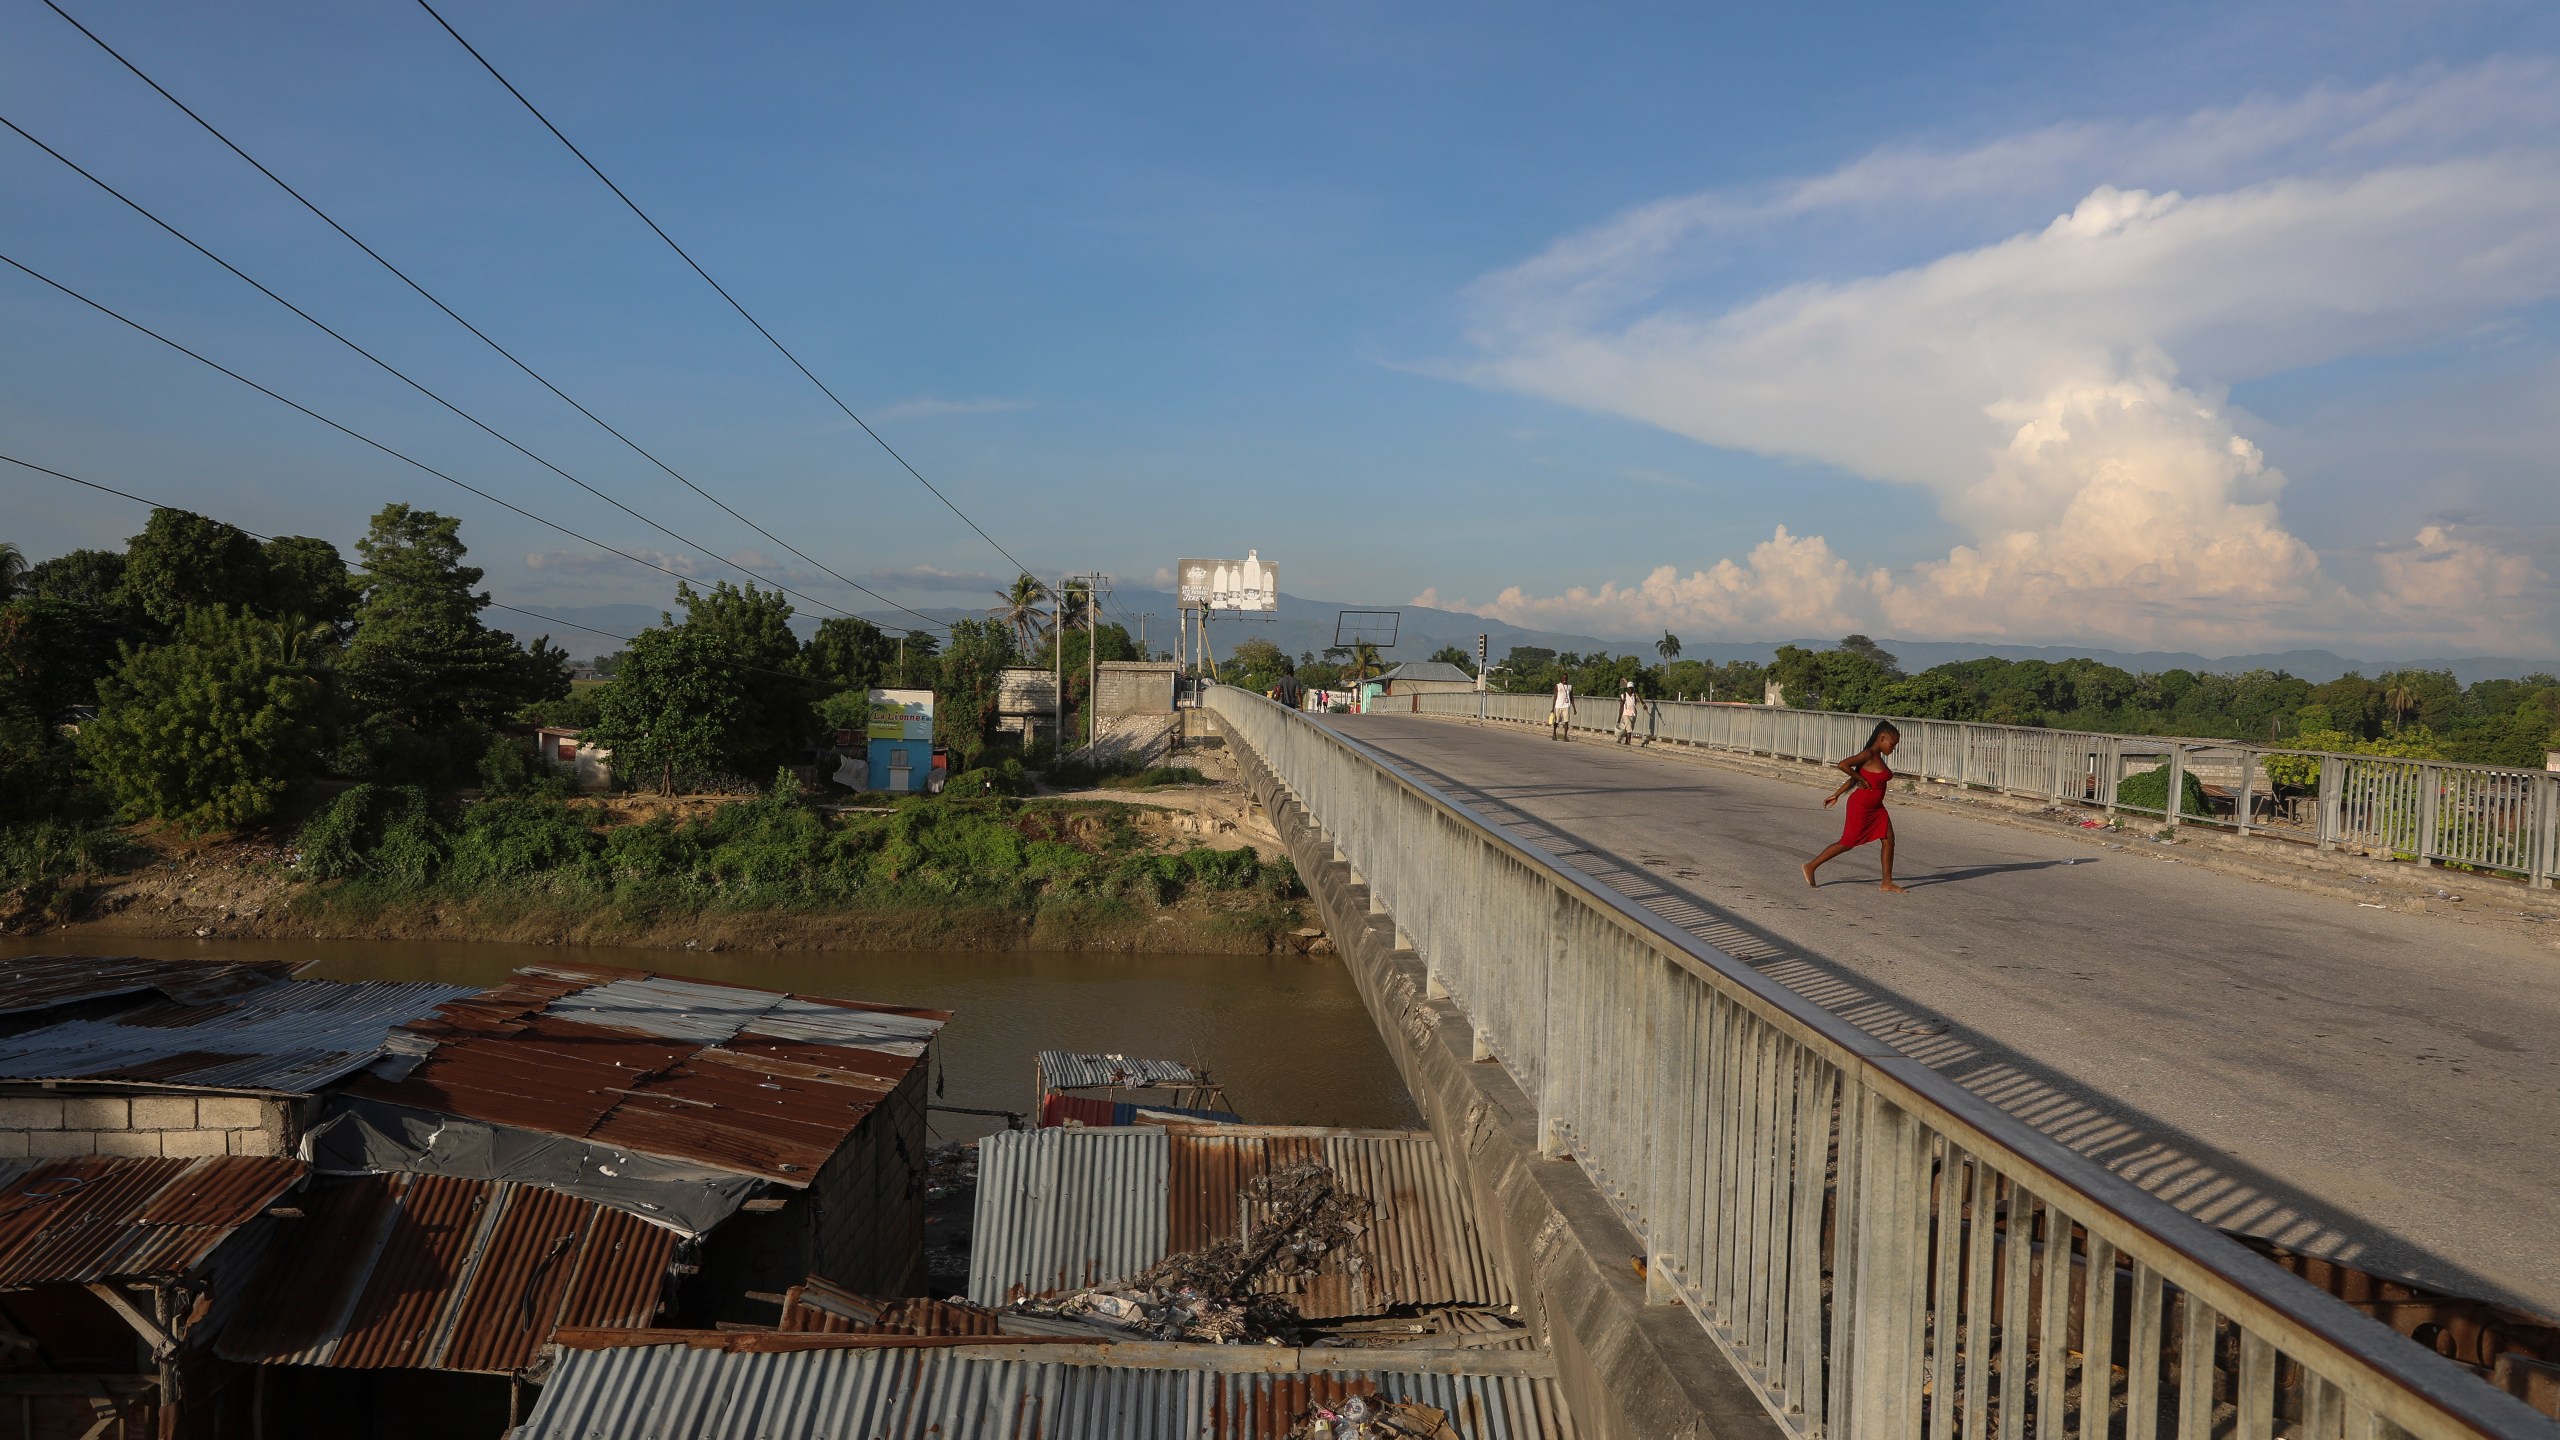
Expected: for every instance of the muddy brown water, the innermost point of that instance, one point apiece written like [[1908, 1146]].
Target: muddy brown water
[[1287, 1035]]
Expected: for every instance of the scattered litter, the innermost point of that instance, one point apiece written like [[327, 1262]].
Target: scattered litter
[[1362, 1417], [2371, 905], [1207, 1295]]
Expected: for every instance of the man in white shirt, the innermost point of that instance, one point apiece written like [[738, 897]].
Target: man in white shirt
[[1627, 713], [1560, 723]]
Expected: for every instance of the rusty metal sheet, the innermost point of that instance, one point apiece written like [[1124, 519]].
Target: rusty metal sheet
[[288, 1037], [97, 1218], [41, 982], [818, 1307], [991, 1393], [1070, 1070], [436, 1273], [1056, 1214], [753, 1082]]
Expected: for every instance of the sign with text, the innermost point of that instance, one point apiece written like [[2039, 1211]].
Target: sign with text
[[901, 715]]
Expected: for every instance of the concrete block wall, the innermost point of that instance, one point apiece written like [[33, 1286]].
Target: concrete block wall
[[1133, 687], [53, 1126]]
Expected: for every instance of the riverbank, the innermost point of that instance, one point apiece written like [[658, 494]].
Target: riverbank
[[711, 874]]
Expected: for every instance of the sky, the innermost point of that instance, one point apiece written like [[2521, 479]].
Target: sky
[[2221, 327]]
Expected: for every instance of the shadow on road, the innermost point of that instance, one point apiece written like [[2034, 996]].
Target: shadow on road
[[1976, 872]]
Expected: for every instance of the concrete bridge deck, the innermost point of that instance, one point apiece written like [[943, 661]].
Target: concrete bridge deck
[[2376, 1087]]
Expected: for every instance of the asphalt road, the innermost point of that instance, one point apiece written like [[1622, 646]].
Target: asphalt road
[[2378, 1087]]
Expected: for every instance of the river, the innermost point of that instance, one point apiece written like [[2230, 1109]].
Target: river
[[1287, 1035]]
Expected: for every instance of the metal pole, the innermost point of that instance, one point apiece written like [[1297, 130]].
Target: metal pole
[[1058, 663], [1092, 660]]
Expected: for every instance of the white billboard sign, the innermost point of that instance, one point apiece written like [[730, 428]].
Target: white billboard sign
[[1249, 584]]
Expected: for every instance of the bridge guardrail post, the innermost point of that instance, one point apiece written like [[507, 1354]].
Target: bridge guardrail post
[[2430, 804], [2329, 805], [2177, 797], [2546, 831], [2248, 784]]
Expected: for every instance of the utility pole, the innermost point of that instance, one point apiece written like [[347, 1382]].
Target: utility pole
[[1480, 679], [1092, 660], [1058, 662]]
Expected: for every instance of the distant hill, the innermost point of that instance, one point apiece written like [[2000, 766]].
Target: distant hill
[[1307, 626]]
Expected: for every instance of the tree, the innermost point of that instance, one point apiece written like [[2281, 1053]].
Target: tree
[[673, 710], [1452, 655], [1018, 609], [1254, 664], [1867, 649], [211, 728], [1668, 647], [752, 627], [972, 680], [53, 653], [13, 571], [182, 561], [1364, 662], [84, 577], [309, 579], [919, 662], [849, 653], [427, 677]]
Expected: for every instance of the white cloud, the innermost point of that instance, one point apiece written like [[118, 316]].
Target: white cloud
[[929, 577], [928, 407], [583, 562], [2059, 391]]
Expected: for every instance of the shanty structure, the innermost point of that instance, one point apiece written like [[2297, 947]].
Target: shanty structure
[[400, 1291], [1073, 1208], [1115, 1078], [818, 1308], [784, 1132], [152, 1058], [103, 1264], [607, 1386]]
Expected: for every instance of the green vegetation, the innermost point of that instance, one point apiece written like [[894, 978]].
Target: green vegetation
[[2150, 791], [1032, 861], [2419, 714]]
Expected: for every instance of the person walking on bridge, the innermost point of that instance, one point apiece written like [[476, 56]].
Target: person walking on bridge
[[1867, 820], [1627, 713], [1560, 720]]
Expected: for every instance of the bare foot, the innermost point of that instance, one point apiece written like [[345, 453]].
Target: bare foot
[[1896, 889], [1808, 875]]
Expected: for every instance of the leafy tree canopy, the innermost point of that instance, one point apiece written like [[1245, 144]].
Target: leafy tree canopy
[[83, 577], [674, 712], [182, 560], [849, 653], [211, 728]]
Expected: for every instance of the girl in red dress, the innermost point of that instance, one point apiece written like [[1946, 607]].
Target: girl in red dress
[[1868, 775]]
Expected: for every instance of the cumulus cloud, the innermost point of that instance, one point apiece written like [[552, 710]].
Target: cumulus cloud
[[929, 577], [583, 562], [2059, 390]]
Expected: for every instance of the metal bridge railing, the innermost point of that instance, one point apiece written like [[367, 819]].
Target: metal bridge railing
[[1885, 1255], [2486, 817]]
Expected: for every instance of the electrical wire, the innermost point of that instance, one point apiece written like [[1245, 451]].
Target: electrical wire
[[357, 569], [396, 373], [403, 276], [353, 434], [716, 286]]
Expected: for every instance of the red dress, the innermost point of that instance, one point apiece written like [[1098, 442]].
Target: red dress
[[1866, 819]]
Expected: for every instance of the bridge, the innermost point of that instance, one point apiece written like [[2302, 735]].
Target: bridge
[[1802, 1162]]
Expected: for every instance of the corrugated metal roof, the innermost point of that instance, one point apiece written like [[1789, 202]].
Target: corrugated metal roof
[[820, 1308], [754, 1082], [982, 1392], [1061, 1209], [40, 982], [94, 1218], [1067, 1070], [1434, 670], [1095, 1111], [434, 1273], [289, 1036]]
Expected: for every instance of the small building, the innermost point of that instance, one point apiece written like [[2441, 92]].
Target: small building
[[1027, 703], [1425, 677], [1133, 687], [784, 1133], [563, 748], [1106, 1089], [1073, 1208], [898, 753]]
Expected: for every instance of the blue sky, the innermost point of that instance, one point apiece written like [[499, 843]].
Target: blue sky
[[1749, 322]]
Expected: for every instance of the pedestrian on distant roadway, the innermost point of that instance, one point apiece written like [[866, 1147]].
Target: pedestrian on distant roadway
[[1286, 689], [1868, 776], [1560, 720], [1627, 713]]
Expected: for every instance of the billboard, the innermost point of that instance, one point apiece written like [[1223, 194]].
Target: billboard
[[901, 715], [1248, 584]]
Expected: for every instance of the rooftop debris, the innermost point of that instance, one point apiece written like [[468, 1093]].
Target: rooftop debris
[[95, 1219]]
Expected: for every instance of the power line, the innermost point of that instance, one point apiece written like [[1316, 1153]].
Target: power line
[[697, 269], [358, 569], [331, 221], [395, 372], [334, 425]]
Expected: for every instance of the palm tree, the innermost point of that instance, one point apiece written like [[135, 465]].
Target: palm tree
[[2400, 700], [13, 571], [1364, 662], [1073, 600], [1668, 647], [1018, 609]]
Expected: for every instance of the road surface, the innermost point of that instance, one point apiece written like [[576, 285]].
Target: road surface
[[2376, 1087]]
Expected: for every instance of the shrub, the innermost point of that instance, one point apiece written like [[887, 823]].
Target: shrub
[[2150, 791], [519, 839], [389, 832], [511, 767]]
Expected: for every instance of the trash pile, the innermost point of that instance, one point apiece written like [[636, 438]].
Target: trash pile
[[1207, 1296], [1371, 1417]]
